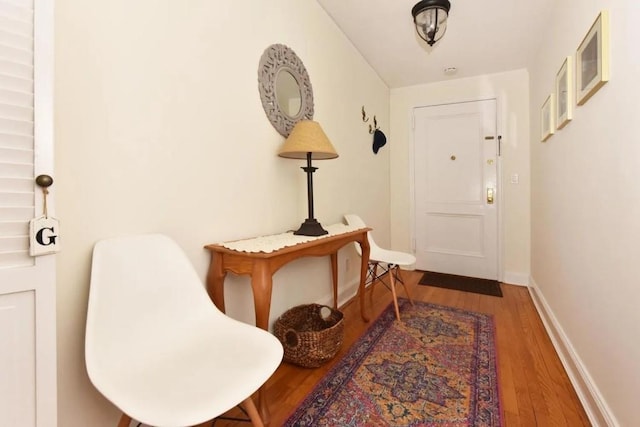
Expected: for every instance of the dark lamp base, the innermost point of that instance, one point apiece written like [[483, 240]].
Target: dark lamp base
[[310, 227]]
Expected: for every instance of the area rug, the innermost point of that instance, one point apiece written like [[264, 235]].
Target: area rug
[[436, 368], [462, 283]]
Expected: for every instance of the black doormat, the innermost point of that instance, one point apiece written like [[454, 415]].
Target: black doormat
[[462, 283]]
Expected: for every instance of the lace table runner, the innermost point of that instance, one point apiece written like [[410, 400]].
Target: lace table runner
[[275, 242]]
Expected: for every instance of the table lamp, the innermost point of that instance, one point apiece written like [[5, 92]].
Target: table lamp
[[308, 141]]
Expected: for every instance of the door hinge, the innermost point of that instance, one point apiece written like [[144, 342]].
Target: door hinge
[[499, 145]]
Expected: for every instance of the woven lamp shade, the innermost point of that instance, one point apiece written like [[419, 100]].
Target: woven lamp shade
[[307, 137]]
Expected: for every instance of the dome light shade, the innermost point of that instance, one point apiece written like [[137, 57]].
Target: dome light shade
[[430, 19]]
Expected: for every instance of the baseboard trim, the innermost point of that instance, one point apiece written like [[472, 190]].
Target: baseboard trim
[[346, 293], [594, 404], [513, 278]]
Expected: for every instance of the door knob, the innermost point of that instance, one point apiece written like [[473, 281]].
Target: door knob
[[44, 181]]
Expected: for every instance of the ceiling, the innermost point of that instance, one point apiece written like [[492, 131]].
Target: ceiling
[[482, 37]]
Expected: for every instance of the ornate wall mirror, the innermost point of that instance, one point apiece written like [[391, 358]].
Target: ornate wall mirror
[[285, 88]]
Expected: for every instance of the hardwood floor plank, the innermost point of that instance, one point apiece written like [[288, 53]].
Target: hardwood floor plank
[[554, 378], [534, 388]]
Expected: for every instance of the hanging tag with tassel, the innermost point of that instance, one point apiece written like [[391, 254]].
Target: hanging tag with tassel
[[44, 231]]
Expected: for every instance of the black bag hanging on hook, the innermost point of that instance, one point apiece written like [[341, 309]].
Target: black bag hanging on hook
[[379, 140]]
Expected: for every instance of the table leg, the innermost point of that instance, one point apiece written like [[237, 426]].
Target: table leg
[[334, 276], [261, 285], [215, 281], [366, 249]]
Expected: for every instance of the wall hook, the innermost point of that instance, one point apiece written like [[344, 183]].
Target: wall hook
[[364, 115], [375, 127]]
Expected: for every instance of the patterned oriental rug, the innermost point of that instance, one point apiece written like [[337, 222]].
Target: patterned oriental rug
[[437, 368]]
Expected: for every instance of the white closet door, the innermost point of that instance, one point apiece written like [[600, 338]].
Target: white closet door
[[27, 285]]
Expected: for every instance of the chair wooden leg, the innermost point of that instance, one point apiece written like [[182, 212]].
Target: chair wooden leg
[[252, 411], [393, 292], [125, 421], [404, 285]]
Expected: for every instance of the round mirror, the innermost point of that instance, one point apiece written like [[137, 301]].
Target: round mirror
[[285, 89], [288, 93]]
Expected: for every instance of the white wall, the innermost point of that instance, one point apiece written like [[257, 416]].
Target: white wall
[[586, 210], [159, 128], [512, 93]]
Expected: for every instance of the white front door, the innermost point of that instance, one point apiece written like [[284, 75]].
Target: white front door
[[27, 284], [455, 164]]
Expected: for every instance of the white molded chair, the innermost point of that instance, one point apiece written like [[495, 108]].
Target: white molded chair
[[389, 262], [158, 348]]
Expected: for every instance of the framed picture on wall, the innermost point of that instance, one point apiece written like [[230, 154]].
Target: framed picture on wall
[[547, 115], [592, 59], [564, 93]]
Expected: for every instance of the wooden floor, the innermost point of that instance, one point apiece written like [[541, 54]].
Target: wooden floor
[[534, 388]]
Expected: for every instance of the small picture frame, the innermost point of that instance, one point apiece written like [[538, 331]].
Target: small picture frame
[[564, 93], [592, 59], [547, 116]]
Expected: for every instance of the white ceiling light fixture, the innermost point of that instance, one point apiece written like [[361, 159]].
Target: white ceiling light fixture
[[430, 18]]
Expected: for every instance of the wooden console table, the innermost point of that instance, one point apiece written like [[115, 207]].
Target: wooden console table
[[262, 265]]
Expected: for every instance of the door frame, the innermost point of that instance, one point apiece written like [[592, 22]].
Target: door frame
[[499, 181]]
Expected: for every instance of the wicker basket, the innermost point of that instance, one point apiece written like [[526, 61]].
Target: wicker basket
[[311, 334]]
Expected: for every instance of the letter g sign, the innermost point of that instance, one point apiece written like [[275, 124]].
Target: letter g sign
[[44, 236]]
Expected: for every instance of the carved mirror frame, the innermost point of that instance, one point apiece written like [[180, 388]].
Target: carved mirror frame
[[280, 58]]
